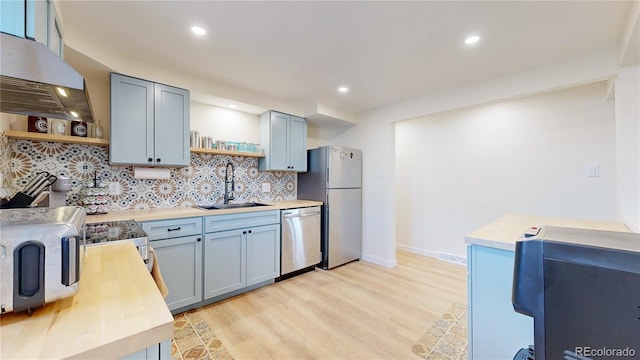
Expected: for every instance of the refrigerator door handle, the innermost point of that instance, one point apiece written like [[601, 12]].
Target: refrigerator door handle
[[326, 176]]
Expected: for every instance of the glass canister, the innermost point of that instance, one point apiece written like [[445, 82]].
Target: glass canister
[[58, 127], [98, 132]]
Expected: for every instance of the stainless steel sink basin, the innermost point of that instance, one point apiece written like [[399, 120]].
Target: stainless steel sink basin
[[230, 206]]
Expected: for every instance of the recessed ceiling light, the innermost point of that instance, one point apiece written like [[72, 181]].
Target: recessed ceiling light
[[73, 113], [198, 30], [472, 39], [343, 89], [233, 106]]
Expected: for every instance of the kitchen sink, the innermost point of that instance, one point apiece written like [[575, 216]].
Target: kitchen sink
[[230, 206]]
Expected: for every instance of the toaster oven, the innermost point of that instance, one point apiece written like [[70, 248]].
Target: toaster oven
[[41, 252]]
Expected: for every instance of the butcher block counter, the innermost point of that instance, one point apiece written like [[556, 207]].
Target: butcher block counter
[[182, 212], [117, 311]]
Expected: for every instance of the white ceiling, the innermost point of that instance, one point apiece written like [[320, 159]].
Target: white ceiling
[[384, 51]]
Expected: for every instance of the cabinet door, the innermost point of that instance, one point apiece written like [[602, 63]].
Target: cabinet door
[[55, 40], [263, 253], [131, 121], [12, 17], [224, 262], [298, 144], [180, 261], [279, 141], [37, 20], [171, 130], [496, 331]]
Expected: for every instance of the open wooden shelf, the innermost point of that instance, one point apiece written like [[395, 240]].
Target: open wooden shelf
[[23, 135], [226, 152]]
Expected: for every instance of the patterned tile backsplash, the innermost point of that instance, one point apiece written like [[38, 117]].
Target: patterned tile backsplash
[[200, 183]]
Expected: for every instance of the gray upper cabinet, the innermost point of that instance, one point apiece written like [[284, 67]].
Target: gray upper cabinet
[[284, 138], [149, 123], [13, 17], [55, 40], [35, 19]]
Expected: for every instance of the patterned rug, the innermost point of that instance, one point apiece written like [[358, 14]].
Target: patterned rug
[[193, 339], [447, 339]]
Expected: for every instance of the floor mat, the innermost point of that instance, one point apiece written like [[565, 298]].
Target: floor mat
[[194, 339], [447, 339]]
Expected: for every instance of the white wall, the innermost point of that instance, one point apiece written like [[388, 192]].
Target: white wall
[[627, 109], [224, 124], [459, 170], [374, 134]]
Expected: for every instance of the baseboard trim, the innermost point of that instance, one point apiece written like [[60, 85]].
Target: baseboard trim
[[379, 261], [430, 253], [415, 250]]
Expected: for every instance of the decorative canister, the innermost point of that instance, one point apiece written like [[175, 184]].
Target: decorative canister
[[79, 128], [37, 124], [195, 138]]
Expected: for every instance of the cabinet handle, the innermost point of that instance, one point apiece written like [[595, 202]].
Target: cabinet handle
[[244, 232], [158, 160], [174, 229], [199, 239], [249, 231], [150, 159]]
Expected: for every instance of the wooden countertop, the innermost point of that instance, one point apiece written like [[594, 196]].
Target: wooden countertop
[[182, 212], [504, 232], [117, 311]]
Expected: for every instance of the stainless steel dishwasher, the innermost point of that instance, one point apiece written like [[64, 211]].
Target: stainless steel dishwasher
[[300, 249]]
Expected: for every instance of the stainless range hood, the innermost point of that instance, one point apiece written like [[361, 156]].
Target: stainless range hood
[[35, 81]]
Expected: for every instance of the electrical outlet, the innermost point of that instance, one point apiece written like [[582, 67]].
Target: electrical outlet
[[114, 188], [266, 187]]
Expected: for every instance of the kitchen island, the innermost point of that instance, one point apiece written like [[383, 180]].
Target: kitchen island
[[118, 311], [496, 331]]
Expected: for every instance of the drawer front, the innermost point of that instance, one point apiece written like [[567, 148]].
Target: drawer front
[[241, 220], [172, 228]]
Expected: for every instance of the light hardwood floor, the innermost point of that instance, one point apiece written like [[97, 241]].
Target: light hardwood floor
[[356, 311]]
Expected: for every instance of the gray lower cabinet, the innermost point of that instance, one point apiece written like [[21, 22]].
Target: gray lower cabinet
[[178, 245], [240, 250], [225, 262], [180, 262], [263, 254]]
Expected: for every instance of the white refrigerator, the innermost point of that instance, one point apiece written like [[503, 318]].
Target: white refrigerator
[[334, 177]]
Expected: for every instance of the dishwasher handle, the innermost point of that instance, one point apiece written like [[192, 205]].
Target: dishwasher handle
[[289, 215]]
